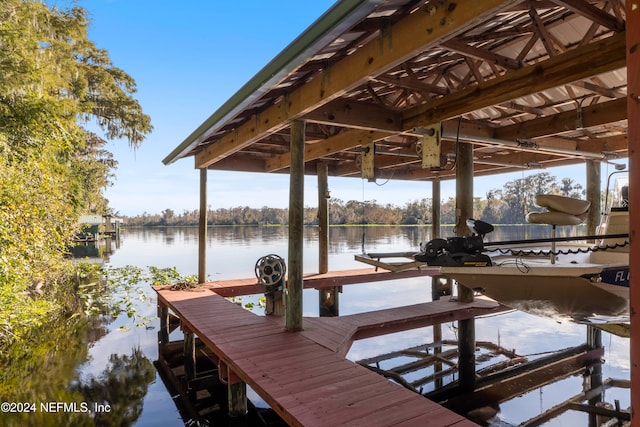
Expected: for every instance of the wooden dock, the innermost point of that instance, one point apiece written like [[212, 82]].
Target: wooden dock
[[304, 376], [250, 286]]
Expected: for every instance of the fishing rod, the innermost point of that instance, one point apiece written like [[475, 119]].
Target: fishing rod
[[558, 239]]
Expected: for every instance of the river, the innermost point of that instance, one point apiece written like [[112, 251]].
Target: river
[[108, 361]]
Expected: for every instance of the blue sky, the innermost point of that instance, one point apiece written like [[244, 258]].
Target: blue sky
[[188, 58]]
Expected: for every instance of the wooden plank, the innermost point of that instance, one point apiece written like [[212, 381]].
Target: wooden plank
[[408, 412], [338, 333], [304, 382], [391, 266], [364, 275], [236, 287]]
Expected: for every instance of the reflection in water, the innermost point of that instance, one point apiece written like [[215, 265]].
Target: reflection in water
[[121, 387], [46, 376], [89, 359]]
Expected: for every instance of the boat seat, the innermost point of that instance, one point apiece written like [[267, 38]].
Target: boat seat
[[561, 210]]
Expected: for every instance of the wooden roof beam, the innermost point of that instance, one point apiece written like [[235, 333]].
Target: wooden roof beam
[[580, 63], [592, 13], [545, 36], [357, 115], [425, 28], [343, 141], [482, 54], [593, 115]]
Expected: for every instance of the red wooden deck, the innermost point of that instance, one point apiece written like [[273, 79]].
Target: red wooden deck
[[306, 383], [338, 333], [250, 286]]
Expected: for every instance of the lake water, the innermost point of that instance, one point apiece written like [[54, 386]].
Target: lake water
[[122, 349]]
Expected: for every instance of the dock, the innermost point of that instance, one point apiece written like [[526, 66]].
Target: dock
[[250, 286], [304, 376]]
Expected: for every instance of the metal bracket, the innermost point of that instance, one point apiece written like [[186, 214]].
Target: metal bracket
[[431, 147], [367, 167]]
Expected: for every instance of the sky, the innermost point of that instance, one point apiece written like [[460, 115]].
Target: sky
[[188, 58]]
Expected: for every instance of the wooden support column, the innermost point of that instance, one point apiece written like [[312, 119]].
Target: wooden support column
[[236, 392], [323, 218], [633, 118], [464, 211], [189, 350], [237, 397], [328, 298], [202, 228], [163, 314], [593, 195], [293, 305], [594, 380], [464, 188], [435, 208], [440, 285]]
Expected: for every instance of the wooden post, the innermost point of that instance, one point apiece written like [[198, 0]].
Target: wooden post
[[323, 218], [633, 119], [274, 300], [108, 226], [163, 314], [593, 195], [293, 305], [464, 188], [437, 285], [328, 298], [464, 211], [236, 392], [237, 399], [435, 208], [202, 228], [329, 301], [189, 350]]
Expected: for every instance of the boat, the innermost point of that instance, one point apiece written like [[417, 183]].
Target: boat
[[563, 278]]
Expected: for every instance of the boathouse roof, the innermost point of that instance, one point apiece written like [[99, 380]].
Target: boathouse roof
[[529, 83]]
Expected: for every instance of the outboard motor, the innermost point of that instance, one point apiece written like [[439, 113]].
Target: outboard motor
[[458, 251]]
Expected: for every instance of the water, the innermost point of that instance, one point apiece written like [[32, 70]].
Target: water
[[111, 362]]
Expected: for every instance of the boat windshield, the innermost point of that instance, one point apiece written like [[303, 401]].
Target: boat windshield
[[620, 193]]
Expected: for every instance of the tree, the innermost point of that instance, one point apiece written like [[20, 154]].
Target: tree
[[53, 80], [570, 188], [417, 212]]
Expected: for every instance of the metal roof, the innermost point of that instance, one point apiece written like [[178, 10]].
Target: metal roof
[[529, 83]]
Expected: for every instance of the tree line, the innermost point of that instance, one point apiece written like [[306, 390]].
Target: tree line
[[507, 205], [54, 82]]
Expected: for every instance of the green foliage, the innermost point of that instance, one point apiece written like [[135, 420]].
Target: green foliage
[[52, 80]]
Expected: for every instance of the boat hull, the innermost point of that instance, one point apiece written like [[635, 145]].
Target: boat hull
[[580, 292]]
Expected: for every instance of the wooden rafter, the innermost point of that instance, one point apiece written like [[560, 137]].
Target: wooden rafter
[[343, 141], [583, 62], [417, 32], [482, 54], [592, 13], [388, 77], [543, 33]]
